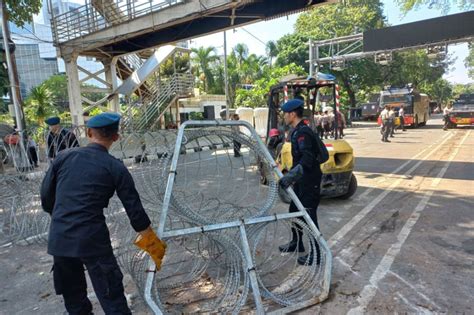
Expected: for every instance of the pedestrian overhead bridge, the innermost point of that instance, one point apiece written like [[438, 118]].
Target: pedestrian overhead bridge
[[125, 35], [108, 27]]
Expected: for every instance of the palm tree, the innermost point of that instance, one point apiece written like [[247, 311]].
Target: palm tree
[[204, 57], [241, 52], [272, 51], [40, 104]]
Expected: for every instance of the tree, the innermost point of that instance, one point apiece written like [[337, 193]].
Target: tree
[[21, 12], [272, 51], [204, 57], [180, 64], [241, 51], [4, 81], [440, 91], [292, 48], [459, 89], [469, 61], [257, 96], [336, 20], [444, 5], [40, 104], [57, 84], [415, 67]]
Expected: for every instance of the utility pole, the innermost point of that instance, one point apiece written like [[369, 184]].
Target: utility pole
[[226, 79], [12, 71]]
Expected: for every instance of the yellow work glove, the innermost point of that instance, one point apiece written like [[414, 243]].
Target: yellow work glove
[[151, 244]]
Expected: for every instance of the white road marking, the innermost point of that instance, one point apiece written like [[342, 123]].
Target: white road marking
[[418, 310], [359, 216], [396, 275], [391, 175], [369, 291]]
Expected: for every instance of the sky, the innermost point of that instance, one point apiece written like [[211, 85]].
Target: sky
[[256, 35]]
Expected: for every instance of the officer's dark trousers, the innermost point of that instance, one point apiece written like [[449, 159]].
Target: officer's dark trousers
[[385, 129], [308, 192], [106, 278], [237, 146]]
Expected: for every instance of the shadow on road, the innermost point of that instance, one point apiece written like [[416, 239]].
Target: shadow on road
[[375, 166]]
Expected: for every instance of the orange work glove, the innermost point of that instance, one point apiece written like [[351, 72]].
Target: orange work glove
[[151, 244]]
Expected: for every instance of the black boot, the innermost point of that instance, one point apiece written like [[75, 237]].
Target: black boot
[[307, 260], [296, 244]]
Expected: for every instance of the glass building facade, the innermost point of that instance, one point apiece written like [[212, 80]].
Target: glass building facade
[[32, 69]]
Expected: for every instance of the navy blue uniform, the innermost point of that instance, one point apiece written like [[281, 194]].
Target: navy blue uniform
[[304, 152], [58, 142], [75, 191]]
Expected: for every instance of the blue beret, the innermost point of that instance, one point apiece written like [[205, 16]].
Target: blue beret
[[104, 120], [291, 105], [52, 121]]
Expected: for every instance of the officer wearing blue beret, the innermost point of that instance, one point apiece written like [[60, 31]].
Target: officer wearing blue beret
[[75, 190], [305, 175], [59, 138]]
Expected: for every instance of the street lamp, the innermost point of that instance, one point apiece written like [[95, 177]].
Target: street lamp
[[437, 51], [338, 64], [383, 58]]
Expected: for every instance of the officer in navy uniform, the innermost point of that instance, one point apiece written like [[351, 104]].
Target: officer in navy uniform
[[305, 175], [59, 138], [75, 190]]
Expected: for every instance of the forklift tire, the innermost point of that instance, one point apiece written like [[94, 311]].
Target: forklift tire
[[352, 188]]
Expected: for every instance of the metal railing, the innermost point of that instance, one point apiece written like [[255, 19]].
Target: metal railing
[[179, 85], [97, 15]]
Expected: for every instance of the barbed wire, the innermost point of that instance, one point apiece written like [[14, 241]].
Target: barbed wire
[[205, 272]]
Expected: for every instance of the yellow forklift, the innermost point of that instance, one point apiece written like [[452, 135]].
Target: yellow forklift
[[338, 179]]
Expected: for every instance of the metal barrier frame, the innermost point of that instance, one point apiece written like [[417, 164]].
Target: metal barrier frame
[[241, 224]]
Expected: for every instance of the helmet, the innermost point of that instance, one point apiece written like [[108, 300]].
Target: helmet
[[274, 132]]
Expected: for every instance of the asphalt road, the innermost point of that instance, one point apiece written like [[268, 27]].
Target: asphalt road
[[404, 243]]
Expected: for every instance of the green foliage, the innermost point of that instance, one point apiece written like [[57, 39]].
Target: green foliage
[[181, 62], [272, 51], [4, 80], [459, 89], [331, 21], [443, 5], [40, 105], [439, 91], [334, 20], [293, 48], [203, 59], [469, 61], [257, 96], [21, 12], [96, 111], [196, 116], [57, 84], [6, 119], [413, 67], [93, 96]]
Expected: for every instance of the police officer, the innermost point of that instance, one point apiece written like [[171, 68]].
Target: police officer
[[391, 121], [59, 138], [446, 112], [75, 190], [401, 114], [305, 175], [384, 116], [237, 144]]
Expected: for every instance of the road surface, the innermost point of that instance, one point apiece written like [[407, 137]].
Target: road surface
[[404, 243]]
